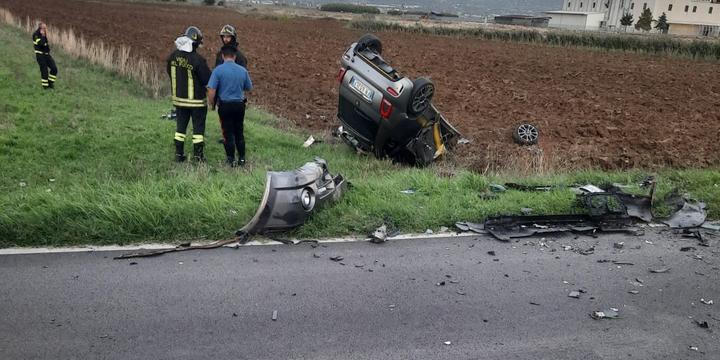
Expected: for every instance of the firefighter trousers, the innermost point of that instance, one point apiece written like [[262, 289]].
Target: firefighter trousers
[[198, 115], [46, 62]]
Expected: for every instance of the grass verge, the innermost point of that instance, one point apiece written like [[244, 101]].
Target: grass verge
[[91, 163]]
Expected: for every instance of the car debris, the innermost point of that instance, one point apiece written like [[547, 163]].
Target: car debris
[[690, 215], [538, 188], [618, 245], [702, 324], [291, 196], [611, 313], [274, 315], [310, 140], [337, 258], [706, 302], [463, 141], [526, 134], [634, 292], [468, 226], [170, 115], [448, 343], [408, 191], [379, 235], [384, 113], [288, 200], [659, 271], [574, 294]]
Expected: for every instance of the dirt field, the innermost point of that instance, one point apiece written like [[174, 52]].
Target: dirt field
[[594, 109]]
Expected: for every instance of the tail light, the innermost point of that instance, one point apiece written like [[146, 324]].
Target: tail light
[[386, 109], [340, 75], [392, 92]]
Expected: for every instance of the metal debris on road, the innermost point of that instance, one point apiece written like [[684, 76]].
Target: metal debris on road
[[706, 302], [619, 245], [634, 292], [442, 283], [274, 315], [448, 343], [379, 235], [574, 294], [460, 292], [606, 314], [659, 271]]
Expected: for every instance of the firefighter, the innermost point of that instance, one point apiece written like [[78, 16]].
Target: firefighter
[[42, 55], [228, 36], [189, 75]]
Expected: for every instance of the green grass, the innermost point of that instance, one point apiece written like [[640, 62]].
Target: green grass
[[96, 163]]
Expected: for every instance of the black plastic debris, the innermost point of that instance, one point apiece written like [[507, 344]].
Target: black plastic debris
[[468, 226], [702, 324], [337, 258], [687, 248]]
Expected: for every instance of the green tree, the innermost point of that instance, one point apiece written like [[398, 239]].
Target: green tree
[[662, 24], [626, 20], [645, 21]]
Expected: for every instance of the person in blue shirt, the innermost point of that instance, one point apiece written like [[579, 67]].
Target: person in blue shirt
[[230, 82]]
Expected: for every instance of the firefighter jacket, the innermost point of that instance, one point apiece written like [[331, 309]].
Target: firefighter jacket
[[240, 58], [41, 43], [189, 74]]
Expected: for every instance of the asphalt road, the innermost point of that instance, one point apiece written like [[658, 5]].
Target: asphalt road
[[380, 302]]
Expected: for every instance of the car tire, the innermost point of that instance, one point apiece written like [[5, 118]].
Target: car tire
[[526, 134], [370, 41], [421, 96]]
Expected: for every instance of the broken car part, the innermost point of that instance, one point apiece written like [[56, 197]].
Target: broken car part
[[526, 134], [388, 114], [291, 196]]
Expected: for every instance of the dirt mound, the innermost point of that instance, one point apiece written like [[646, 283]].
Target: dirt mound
[[595, 109]]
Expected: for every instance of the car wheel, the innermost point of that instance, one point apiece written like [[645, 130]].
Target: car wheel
[[370, 41], [421, 97], [526, 134]]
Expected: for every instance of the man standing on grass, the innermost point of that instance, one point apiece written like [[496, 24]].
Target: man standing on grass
[[189, 74], [42, 55], [228, 36], [229, 82]]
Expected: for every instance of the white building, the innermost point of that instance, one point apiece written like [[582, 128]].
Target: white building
[[576, 20], [686, 17]]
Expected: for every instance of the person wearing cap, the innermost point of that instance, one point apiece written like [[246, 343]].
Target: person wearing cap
[[228, 84]]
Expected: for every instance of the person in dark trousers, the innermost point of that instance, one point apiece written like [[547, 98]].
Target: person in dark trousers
[[229, 82], [42, 55], [189, 75], [228, 36]]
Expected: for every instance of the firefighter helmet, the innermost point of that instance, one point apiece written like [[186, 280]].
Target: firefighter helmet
[[228, 30], [194, 34]]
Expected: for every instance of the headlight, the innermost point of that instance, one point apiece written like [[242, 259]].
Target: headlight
[[307, 199]]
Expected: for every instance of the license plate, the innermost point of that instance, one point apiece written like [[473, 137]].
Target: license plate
[[362, 89]]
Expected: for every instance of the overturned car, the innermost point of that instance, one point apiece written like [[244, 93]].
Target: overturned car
[[385, 113]]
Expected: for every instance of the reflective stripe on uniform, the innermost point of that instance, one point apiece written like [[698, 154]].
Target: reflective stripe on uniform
[[40, 52], [188, 103], [37, 42], [174, 81], [179, 136], [198, 139], [52, 77], [191, 85]]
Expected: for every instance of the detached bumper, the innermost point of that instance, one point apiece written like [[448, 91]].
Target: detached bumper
[[291, 196]]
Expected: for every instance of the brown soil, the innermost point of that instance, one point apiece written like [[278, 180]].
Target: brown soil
[[594, 109]]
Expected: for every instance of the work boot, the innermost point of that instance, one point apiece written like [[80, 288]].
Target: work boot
[[230, 161], [179, 151], [198, 154]]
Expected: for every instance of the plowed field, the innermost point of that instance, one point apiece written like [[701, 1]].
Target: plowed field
[[594, 108]]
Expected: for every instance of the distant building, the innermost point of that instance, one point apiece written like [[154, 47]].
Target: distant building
[[523, 20], [576, 20], [686, 17]]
